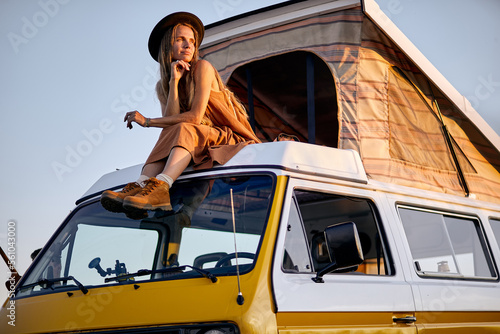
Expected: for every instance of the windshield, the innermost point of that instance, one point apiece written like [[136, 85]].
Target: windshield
[[97, 247]]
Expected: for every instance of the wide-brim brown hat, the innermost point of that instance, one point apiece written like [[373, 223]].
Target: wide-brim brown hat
[[169, 21]]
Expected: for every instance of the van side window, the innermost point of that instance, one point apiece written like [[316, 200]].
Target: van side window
[[317, 211], [296, 257], [444, 244], [495, 226]]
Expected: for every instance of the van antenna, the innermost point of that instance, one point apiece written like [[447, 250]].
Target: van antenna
[[240, 300]]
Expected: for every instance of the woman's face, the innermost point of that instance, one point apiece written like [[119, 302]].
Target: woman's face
[[184, 44]]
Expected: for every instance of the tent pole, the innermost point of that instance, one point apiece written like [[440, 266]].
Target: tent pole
[[250, 98], [447, 135], [311, 113]]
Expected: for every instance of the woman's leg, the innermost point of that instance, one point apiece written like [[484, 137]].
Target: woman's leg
[[153, 169], [178, 160], [156, 194], [169, 170]]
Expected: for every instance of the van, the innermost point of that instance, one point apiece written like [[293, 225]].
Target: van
[[375, 222], [286, 237]]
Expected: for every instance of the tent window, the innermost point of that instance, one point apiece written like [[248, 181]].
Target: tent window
[[292, 93]]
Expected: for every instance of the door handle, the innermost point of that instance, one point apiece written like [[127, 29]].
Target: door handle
[[405, 320]]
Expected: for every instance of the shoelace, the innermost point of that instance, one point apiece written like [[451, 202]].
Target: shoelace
[[149, 187], [129, 187]]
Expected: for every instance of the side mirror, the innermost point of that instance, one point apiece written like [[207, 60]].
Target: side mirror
[[344, 249]]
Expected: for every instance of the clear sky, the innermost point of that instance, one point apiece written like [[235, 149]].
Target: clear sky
[[70, 69]]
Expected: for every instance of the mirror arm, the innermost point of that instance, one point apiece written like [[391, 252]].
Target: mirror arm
[[329, 268], [332, 267]]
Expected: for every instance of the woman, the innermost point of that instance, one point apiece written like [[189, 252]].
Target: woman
[[202, 121]]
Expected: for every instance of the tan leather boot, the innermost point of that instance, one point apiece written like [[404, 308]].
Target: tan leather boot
[[155, 195], [113, 201]]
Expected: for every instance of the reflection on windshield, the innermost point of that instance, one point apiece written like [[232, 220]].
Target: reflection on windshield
[[99, 247]]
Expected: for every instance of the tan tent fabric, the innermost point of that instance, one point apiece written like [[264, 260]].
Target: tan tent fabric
[[415, 152], [379, 113]]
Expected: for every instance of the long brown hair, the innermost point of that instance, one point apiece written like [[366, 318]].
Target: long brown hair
[[186, 84]]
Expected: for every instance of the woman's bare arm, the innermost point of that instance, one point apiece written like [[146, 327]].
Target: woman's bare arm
[[204, 77]]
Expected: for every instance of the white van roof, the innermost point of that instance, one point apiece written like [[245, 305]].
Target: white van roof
[[287, 155]]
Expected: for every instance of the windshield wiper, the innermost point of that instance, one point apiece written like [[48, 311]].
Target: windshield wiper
[[49, 282], [144, 272]]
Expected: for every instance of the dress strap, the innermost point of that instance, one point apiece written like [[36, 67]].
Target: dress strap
[[224, 90]]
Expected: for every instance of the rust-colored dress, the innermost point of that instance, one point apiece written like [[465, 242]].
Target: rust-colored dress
[[229, 131]]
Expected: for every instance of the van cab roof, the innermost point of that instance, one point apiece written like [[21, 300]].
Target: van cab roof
[[287, 155]]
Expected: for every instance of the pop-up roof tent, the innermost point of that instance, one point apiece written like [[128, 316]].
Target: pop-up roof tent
[[340, 74]]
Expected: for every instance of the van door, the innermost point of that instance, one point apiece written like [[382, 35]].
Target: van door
[[373, 297], [454, 276]]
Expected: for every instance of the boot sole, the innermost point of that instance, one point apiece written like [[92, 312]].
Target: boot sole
[[138, 206], [136, 214], [112, 204]]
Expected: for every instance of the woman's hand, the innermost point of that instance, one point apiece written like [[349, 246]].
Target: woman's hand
[[134, 116], [178, 68]]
